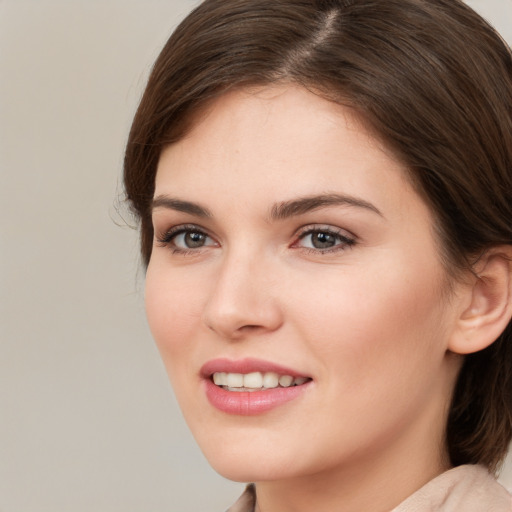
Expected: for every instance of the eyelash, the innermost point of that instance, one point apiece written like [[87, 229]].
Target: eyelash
[[344, 240], [167, 239]]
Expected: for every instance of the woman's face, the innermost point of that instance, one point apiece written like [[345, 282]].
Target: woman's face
[[291, 251]]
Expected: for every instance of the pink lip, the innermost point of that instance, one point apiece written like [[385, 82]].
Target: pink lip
[[248, 403]]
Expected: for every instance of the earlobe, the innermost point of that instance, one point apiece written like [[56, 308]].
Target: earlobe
[[487, 307]]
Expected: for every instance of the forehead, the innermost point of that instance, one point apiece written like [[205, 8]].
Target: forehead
[[268, 145], [281, 130]]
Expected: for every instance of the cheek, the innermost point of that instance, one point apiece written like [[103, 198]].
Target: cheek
[[379, 342], [372, 322], [174, 305]]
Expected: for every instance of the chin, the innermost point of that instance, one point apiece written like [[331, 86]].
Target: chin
[[247, 461], [247, 471], [237, 472]]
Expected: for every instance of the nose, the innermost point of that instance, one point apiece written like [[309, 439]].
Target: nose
[[243, 299]]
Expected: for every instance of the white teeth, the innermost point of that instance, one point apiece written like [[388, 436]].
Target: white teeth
[[253, 380], [270, 380], [285, 381], [235, 380], [256, 380], [220, 378]]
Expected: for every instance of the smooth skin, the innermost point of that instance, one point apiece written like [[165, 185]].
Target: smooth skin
[[350, 292]]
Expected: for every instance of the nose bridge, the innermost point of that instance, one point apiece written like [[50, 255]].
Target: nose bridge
[[242, 297]]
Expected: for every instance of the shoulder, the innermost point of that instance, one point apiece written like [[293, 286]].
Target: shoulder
[[468, 488]]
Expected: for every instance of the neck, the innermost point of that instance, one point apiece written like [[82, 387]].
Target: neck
[[376, 482]]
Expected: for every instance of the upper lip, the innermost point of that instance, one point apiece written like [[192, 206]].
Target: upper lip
[[247, 365]]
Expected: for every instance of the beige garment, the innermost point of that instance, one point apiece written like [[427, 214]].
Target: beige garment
[[462, 489], [246, 502]]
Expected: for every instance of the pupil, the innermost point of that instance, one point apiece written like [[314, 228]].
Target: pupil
[[323, 240], [193, 240]]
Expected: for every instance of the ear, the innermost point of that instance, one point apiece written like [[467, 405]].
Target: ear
[[486, 305]]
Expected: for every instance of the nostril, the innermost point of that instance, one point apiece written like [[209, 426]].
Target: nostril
[[232, 316]]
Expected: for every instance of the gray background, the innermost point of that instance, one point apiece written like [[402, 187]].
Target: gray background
[[87, 419]]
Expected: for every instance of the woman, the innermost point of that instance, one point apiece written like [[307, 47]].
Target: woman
[[324, 191]]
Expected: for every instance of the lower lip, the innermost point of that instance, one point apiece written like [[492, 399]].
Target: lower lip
[[249, 403]]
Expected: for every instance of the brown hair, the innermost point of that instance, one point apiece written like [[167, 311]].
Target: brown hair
[[433, 80]]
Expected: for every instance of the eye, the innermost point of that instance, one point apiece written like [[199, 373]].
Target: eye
[[186, 238], [191, 240], [322, 239]]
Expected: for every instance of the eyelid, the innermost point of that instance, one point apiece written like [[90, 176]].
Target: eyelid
[[329, 228], [166, 236], [347, 239]]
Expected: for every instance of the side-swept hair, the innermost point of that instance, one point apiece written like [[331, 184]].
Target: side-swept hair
[[432, 79]]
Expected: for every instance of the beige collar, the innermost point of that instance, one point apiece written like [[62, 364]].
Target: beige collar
[[462, 489]]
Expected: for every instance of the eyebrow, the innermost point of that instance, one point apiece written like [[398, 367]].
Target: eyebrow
[[180, 206], [279, 211], [307, 204]]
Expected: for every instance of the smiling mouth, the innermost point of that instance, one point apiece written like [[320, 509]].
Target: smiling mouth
[[256, 381]]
